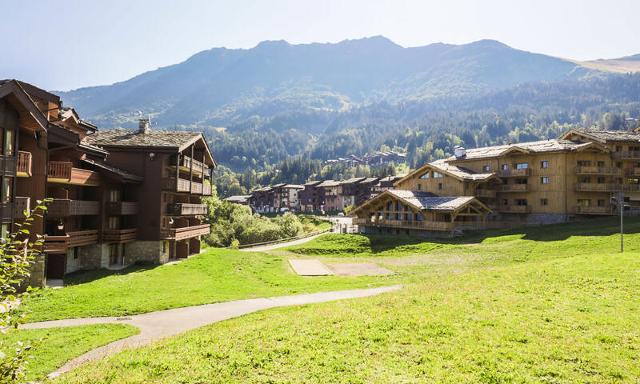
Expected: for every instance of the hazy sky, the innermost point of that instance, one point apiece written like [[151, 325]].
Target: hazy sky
[[65, 44]]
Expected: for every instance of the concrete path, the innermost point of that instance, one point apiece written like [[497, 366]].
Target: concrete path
[[359, 269], [270, 247], [311, 267], [162, 324]]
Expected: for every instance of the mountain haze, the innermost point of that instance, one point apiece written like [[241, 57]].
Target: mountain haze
[[220, 87]]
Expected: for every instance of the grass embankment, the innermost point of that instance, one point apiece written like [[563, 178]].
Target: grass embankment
[[51, 348], [553, 304], [217, 275]]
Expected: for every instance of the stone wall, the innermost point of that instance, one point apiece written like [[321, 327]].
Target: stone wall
[[38, 278], [150, 251]]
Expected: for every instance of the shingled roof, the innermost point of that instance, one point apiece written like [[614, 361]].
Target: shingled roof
[[604, 136], [153, 139], [554, 145], [426, 201]]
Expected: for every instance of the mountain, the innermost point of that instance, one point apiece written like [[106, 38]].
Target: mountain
[[223, 87], [627, 64]]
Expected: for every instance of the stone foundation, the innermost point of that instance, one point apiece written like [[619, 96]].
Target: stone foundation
[[147, 251]]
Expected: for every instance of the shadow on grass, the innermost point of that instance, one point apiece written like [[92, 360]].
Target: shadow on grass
[[551, 232], [82, 277]]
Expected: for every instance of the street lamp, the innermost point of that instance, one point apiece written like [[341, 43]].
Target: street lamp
[[619, 201]]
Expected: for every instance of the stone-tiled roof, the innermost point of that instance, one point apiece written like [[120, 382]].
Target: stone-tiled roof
[[555, 145], [428, 201], [239, 199], [130, 138], [352, 180], [605, 136], [329, 183], [460, 172]]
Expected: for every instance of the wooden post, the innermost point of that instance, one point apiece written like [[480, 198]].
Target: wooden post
[[191, 172]]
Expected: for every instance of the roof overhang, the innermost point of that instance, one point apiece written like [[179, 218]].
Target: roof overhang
[[24, 103]]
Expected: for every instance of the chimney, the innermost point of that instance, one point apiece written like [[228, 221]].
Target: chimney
[[143, 126], [459, 152]]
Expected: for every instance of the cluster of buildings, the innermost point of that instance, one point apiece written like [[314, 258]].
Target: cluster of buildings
[[315, 196], [116, 197], [376, 158], [582, 173]]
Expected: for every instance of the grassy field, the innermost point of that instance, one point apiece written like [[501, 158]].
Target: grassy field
[[556, 304], [51, 348], [217, 275]]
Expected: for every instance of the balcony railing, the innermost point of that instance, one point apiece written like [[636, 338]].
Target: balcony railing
[[183, 185], [186, 232], [514, 209], [60, 244], [598, 187], [626, 155], [633, 172], [119, 235], [64, 172], [514, 188], [67, 207], [22, 204], [186, 209], [584, 210], [198, 166], [514, 172], [424, 225], [24, 164], [587, 170], [115, 208]]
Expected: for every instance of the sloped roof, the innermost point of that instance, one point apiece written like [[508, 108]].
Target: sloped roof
[[429, 201], [312, 183], [238, 198], [604, 136], [460, 172], [125, 175], [131, 138], [293, 186], [329, 183], [352, 180], [554, 145]]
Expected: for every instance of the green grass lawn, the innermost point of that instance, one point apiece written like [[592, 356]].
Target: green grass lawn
[[217, 275], [555, 304], [51, 348]]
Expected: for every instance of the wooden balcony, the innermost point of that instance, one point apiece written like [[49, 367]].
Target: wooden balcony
[[180, 209], [514, 209], [24, 164], [67, 207], [581, 170], [60, 244], [514, 172], [421, 225], [514, 188], [183, 185], [119, 235], [626, 155], [487, 193], [584, 210], [63, 172], [598, 187], [186, 232], [199, 167], [116, 208], [22, 204]]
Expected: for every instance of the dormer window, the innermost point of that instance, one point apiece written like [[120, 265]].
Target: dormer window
[[486, 168], [437, 175]]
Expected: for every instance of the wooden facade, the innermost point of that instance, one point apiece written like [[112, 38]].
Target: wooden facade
[[110, 204], [536, 182]]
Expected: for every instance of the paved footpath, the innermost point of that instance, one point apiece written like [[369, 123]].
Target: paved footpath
[[158, 325]]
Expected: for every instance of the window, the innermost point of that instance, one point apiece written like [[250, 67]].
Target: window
[[504, 167], [437, 175], [521, 181], [486, 168], [601, 180], [76, 253], [426, 175], [7, 188], [584, 179], [114, 195], [505, 202], [521, 202], [419, 187], [545, 180], [584, 202], [8, 142], [440, 186], [544, 201], [584, 163], [601, 203], [544, 164], [522, 165], [601, 164]]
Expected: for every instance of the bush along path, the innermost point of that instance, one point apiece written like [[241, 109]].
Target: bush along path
[[162, 324]]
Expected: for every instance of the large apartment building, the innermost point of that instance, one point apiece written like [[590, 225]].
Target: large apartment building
[[539, 182], [118, 196]]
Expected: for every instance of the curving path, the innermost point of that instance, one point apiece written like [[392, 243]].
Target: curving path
[[161, 324]]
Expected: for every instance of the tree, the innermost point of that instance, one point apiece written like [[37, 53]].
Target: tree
[[17, 252]]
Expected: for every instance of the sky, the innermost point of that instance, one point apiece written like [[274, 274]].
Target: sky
[[67, 44]]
